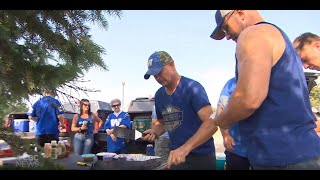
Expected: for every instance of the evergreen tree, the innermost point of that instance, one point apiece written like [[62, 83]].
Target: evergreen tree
[[315, 97], [47, 49]]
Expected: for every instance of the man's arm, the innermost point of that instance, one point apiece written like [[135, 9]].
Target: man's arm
[[228, 141], [61, 117], [206, 130], [317, 129], [32, 118], [255, 60], [156, 131]]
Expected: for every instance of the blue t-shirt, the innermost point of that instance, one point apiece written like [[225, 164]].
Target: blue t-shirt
[[281, 131], [112, 121], [154, 116], [46, 110], [239, 148], [179, 112], [90, 123]]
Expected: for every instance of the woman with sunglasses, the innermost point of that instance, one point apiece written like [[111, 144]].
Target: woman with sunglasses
[[83, 125], [117, 118]]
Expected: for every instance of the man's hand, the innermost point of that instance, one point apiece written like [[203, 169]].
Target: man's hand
[[61, 126], [177, 156], [228, 142], [150, 136]]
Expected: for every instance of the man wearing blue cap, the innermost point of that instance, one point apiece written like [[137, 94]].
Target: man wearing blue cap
[[271, 100], [184, 110]]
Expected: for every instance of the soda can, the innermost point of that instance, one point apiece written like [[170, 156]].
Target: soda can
[[85, 123], [150, 150]]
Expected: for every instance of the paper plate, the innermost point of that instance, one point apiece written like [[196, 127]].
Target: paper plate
[[106, 154]]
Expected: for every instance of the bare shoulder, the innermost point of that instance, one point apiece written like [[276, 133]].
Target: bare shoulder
[[260, 39], [262, 33]]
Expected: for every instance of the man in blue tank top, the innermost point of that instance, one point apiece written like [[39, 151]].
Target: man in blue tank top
[[271, 100], [47, 113], [233, 140], [184, 110]]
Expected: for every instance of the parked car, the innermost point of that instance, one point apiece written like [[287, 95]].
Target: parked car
[[5, 149], [311, 79]]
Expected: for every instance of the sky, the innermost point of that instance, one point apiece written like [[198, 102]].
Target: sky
[[185, 35]]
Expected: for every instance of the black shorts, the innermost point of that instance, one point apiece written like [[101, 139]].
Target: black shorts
[[46, 138], [236, 162], [197, 162]]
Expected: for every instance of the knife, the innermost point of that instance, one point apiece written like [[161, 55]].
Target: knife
[[127, 133]]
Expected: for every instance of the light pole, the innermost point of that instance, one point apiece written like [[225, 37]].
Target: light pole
[[123, 83]]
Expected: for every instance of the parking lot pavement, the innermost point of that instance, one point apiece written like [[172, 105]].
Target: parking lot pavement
[[26, 135]]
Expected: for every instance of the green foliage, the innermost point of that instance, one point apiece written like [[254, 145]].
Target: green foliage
[[315, 97], [47, 49], [9, 107], [41, 50]]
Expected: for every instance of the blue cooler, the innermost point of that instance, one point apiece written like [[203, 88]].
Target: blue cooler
[[220, 161], [21, 125]]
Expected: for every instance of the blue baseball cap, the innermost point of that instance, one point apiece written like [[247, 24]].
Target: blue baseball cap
[[218, 34], [156, 62]]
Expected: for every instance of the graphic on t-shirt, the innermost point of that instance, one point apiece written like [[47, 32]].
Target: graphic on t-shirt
[[172, 117]]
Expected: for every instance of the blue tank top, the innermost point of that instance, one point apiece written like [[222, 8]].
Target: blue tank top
[[281, 130], [90, 123]]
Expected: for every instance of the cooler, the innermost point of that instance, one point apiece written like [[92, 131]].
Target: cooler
[[21, 125], [220, 161]]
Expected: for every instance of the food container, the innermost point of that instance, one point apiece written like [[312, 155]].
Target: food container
[[105, 154], [88, 157], [122, 157], [107, 158]]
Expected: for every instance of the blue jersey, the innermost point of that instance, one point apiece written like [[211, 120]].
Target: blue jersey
[[179, 112], [240, 147], [281, 131], [90, 123], [112, 121], [46, 110]]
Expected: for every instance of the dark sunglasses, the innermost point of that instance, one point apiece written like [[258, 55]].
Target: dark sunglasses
[[86, 104], [116, 105]]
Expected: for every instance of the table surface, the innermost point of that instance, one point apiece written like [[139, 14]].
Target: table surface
[[70, 163]]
